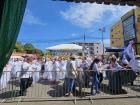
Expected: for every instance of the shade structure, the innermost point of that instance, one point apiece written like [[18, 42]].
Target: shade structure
[[65, 47], [114, 49], [108, 2]]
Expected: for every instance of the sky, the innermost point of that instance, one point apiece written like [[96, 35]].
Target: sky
[[47, 23]]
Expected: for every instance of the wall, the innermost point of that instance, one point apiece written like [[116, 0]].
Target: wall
[[137, 20], [116, 35]]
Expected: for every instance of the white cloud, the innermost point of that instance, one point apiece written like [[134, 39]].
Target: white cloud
[[74, 34], [29, 18], [85, 14]]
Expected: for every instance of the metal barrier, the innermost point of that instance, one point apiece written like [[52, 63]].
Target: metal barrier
[[56, 85], [6, 86]]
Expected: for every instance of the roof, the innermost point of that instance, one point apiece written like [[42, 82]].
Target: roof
[[17, 57], [114, 49], [86, 42], [65, 47], [108, 2], [18, 54]]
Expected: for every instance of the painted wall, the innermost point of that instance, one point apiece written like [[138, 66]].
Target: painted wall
[[116, 35]]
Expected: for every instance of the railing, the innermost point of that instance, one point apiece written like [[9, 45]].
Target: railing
[[57, 85], [6, 86]]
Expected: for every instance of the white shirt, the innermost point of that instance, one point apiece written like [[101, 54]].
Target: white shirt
[[49, 66], [78, 62], [17, 66], [27, 71]]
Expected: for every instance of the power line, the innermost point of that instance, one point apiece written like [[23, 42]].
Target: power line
[[86, 35]]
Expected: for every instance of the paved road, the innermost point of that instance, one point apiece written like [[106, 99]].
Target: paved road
[[122, 101]]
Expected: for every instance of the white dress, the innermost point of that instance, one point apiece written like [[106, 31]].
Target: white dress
[[48, 70], [62, 69], [56, 71], [36, 67], [6, 76], [16, 70]]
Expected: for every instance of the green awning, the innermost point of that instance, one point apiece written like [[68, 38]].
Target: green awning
[[107, 2]]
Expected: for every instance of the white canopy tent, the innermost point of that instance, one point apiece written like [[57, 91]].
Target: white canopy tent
[[65, 47]]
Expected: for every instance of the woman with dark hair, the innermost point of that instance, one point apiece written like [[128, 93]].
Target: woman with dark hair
[[95, 77]]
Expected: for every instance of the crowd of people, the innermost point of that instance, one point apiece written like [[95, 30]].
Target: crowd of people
[[72, 70]]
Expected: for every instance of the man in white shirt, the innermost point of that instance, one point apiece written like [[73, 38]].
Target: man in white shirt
[[26, 77]]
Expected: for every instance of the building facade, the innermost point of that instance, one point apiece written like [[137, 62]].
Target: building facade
[[91, 48], [127, 29], [116, 35]]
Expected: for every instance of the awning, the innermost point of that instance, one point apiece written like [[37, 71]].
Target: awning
[[108, 2], [114, 49], [65, 47]]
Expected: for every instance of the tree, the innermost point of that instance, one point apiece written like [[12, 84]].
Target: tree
[[29, 48], [48, 53], [18, 47], [80, 53], [39, 52]]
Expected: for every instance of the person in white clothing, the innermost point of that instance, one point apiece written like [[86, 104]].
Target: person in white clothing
[[6, 75], [78, 62], [36, 66], [62, 68], [26, 77], [56, 71], [17, 68], [48, 69]]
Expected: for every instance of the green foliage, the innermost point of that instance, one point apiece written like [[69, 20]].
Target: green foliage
[[80, 53], [48, 53], [18, 47], [27, 48], [39, 52]]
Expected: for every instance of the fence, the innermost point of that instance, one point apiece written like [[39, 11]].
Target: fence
[[55, 85]]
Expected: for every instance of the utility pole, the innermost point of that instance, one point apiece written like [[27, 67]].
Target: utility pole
[[84, 47], [84, 36], [102, 30]]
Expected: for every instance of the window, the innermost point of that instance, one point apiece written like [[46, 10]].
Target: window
[[112, 42], [138, 19]]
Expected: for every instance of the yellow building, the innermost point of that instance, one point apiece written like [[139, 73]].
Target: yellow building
[[127, 29], [116, 35], [137, 19], [131, 28]]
